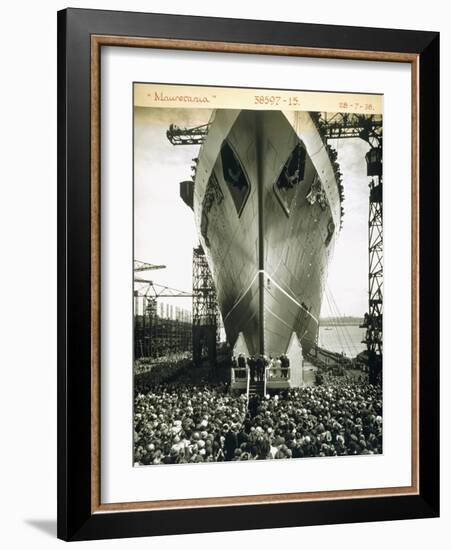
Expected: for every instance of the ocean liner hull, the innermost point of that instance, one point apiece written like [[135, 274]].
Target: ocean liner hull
[[267, 211]]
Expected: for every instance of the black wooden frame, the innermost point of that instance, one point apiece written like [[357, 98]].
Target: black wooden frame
[[75, 520]]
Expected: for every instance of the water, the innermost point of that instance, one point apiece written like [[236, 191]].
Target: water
[[343, 339]]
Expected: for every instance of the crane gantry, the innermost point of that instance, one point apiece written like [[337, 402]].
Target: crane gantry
[[144, 266]]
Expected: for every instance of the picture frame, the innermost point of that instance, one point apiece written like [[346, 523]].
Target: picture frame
[[81, 36]]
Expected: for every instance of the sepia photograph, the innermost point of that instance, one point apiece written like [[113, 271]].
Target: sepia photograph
[[258, 274]]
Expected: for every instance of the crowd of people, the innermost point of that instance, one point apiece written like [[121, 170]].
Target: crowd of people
[[191, 424], [340, 377], [158, 372], [185, 423], [163, 364]]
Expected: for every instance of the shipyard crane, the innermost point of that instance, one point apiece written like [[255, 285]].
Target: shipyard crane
[[149, 292], [351, 125], [332, 126], [144, 266], [155, 290], [187, 136], [139, 267]]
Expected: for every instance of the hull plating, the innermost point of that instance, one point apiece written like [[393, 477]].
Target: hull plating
[[268, 233]]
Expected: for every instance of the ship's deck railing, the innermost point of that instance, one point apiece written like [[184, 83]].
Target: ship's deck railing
[[277, 374], [239, 374]]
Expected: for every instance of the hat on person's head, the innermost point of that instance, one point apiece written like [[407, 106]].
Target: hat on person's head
[[174, 451]]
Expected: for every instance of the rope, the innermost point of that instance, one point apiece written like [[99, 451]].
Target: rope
[[346, 333], [336, 316], [344, 338], [334, 319]]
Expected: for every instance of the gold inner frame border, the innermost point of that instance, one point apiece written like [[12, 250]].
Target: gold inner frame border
[[97, 41]]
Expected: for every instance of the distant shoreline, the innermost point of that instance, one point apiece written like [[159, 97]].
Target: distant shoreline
[[342, 322]]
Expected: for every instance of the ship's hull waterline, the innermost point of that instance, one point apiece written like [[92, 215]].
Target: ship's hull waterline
[[267, 211]]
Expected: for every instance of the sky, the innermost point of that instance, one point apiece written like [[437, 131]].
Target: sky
[[164, 231]]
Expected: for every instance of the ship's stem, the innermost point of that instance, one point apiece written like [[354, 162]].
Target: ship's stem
[[261, 251]]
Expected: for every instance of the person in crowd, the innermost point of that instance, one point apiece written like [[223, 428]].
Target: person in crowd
[[285, 365], [259, 367], [230, 441], [241, 361], [277, 367], [252, 367], [266, 363], [269, 367]]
